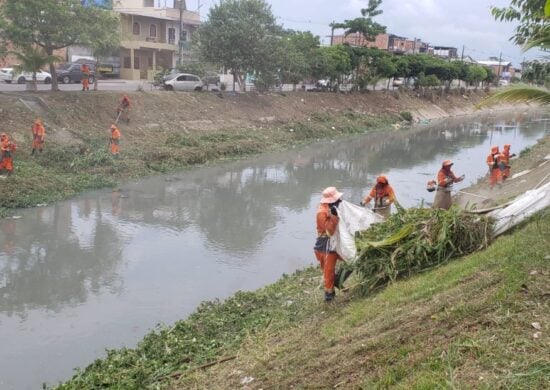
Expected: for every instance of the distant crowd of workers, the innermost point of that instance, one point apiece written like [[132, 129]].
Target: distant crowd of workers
[[383, 196], [8, 145]]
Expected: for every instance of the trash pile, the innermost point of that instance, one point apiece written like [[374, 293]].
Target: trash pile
[[417, 239]]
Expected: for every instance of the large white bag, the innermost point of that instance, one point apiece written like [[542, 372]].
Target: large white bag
[[352, 219]]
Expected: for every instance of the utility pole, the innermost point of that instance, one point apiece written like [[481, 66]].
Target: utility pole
[[499, 65], [462, 55], [183, 7], [332, 32]]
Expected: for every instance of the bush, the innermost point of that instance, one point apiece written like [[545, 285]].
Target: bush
[[406, 115]]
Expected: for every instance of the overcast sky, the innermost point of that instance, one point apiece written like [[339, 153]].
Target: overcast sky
[[438, 22]]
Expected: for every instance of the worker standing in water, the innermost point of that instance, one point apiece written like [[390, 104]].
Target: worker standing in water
[[496, 165], [327, 222], [383, 196], [445, 180], [38, 136], [115, 140], [506, 156]]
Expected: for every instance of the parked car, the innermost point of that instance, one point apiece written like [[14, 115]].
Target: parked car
[[10, 74], [398, 81], [503, 83], [184, 82], [72, 73]]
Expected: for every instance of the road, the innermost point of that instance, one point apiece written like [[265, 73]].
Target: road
[[104, 85]]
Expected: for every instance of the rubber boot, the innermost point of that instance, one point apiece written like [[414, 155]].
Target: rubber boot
[[329, 296]]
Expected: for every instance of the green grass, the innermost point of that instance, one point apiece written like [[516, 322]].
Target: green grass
[[463, 325], [63, 171]]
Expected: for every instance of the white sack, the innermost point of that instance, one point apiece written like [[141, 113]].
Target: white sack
[[352, 219], [523, 207]]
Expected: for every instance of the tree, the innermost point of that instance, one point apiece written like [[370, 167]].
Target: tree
[[54, 24], [239, 35], [33, 59], [364, 25], [476, 74], [330, 63], [532, 32], [531, 16]]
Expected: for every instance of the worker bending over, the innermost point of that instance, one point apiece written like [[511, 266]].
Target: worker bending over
[[115, 140], [445, 180], [506, 156], [495, 162], [38, 136], [7, 149], [327, 222], [124, 108], [383, 196]]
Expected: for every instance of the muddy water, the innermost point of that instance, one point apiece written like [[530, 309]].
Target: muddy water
[[101, 270]]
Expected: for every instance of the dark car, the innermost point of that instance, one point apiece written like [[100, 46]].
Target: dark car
[[72, 73]]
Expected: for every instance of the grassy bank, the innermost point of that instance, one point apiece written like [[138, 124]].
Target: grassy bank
[[469, 324], [171, 131]]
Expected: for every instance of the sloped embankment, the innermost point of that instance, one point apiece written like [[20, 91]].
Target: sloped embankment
[[478, 322], [170, 131]]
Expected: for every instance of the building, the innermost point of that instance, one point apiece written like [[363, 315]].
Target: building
[[152, 38], [502, 69], [445, 51], [390, 42]]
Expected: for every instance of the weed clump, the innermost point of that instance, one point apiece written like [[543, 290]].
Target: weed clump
[[414, 240]]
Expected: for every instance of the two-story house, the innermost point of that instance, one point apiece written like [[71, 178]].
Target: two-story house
[[153, 37]]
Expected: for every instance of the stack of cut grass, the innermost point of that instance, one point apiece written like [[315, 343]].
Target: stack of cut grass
[[414, 240]]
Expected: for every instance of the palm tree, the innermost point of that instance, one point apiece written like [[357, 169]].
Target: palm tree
[[32, 59], [522, 92]]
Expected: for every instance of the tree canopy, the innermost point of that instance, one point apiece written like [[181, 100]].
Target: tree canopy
[[56, 24]]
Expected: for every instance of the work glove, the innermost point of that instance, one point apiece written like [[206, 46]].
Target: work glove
[[362, 204], [462, 177], [334, 210]]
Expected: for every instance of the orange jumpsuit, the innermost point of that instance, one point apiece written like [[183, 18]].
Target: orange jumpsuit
[[124, 107], [85, 78], [327, 258], [115, 140], [506, 160], [38, 135], [6, 154], [383, 196], [445, 179], [495, 164]]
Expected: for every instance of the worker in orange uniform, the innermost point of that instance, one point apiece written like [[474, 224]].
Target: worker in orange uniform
[[38, 136], [85, 77], [124, 108], [327, 221], [445, 180], [115, 140], [7, 149], [383, 196], [496, 164], [506, 156]]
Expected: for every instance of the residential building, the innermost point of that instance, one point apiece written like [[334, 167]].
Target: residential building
[[152, 38], [390, 42], [502, 69], [445, 51]]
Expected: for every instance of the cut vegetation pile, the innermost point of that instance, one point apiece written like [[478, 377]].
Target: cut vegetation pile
[[417, 239]]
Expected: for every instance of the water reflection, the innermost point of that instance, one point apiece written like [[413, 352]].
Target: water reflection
[[152, 250]]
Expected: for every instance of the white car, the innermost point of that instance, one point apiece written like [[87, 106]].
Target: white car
[[184, 82], [503, 83], [9, 74]]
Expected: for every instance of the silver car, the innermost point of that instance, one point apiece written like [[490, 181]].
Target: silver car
[[9, 74], [184, 82]]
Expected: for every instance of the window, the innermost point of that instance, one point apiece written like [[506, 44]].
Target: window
[[136, 29], [136, 62], [182, 78], [153, 30], [183, 36], [127, 62], [171, 35]]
